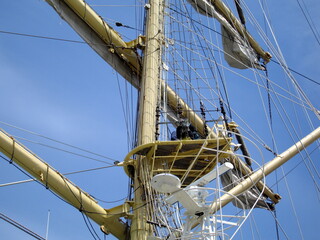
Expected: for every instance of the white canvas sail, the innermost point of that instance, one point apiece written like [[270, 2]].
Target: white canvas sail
[[198, 90], [237, 51]]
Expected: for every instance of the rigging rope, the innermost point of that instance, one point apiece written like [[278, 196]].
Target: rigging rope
[[300, 74], [309, 21], [277, 225], [211, 69], [89, 226], [66, 151], [57, 141], [268, 88], [20, 226]]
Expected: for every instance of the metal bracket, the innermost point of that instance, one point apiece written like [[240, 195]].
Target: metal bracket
[[139, 43]]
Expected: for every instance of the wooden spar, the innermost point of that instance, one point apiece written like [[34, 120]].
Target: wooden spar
[[95, 32], [227, 13], [174, 102], [265, 170], [100, 45], [123, 57], [149, 91], [104, 31], [108, 219], [239, 164]]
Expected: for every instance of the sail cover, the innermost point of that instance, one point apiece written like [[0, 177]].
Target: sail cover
[[237, 51], [248, 199]]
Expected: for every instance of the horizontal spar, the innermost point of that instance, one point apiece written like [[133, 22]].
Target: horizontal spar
[[56, 182], [265, 170]]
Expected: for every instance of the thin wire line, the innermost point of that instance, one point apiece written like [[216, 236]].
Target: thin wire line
[[57, 141], [70, 173], [294, 167], [92, 228], [83, 42], [300, 74], [42, 37], [62, 150], [310, 23], [278, 224], [64, 179], [20, 226], [250, 80], [93, 233]]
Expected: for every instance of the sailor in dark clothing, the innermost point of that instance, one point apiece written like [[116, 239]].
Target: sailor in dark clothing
[[182, 132], [185, 132], [193, 134], [173, 136]]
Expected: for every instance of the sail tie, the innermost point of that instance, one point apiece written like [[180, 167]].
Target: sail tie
[[47, 176], [13, 148]]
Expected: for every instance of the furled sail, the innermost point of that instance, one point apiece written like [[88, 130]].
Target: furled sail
[[237, 50], [248, 199]]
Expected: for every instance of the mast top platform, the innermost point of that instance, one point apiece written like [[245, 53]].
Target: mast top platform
[[187, 159]]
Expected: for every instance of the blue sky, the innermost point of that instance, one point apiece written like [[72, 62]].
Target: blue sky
[[67, 92]]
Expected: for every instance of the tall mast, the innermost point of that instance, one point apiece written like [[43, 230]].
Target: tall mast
[[150, 78], [150, 81]]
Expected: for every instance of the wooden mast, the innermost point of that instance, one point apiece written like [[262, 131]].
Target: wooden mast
[[150, 81]]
